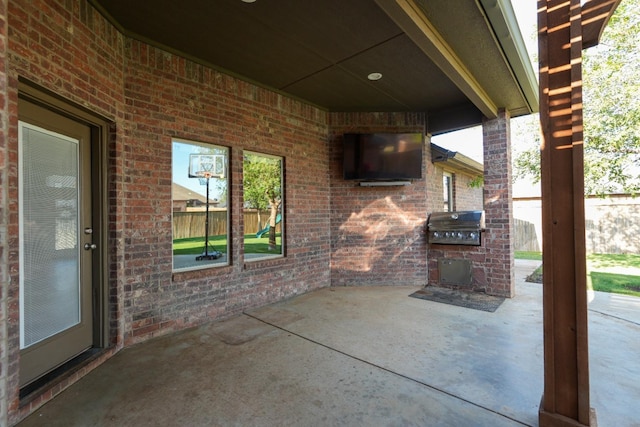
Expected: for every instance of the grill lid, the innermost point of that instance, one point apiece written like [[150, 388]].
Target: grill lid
[[462, 220], [456, 228]]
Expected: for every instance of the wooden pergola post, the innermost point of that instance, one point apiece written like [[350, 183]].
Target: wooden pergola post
[[565, 27]]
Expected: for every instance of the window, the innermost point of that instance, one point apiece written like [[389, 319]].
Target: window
[[447, 191], [200, 209], [262, 208]]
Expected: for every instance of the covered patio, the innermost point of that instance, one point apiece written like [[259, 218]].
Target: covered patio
[[129, 81], [356, 356]]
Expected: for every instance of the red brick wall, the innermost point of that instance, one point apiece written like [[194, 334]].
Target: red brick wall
[[466, 197], [498, 205], [172, 97], [435, 198], [377, 233], [4, 273]]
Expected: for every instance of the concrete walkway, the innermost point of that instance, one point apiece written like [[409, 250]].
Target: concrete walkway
[[366, 356]]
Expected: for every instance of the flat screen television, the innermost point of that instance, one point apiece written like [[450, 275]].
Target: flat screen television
[[383, 156]]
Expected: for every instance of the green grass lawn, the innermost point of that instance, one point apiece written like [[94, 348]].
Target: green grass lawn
[[252, 245], [195, 245], [528, 255], [616, 283], [617, 273]]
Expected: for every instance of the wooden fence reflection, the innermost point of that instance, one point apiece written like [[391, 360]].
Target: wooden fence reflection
[[192, 224]]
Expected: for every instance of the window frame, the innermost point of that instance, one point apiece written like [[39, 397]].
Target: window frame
[[185, 263], [447, 188], [281, 210]]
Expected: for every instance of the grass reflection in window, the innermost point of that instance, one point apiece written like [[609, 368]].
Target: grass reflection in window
[[262, 206]]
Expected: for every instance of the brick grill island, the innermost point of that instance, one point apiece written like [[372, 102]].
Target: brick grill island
[[463, 228]]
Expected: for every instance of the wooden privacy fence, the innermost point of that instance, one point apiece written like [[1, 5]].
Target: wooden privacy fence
[[612, 225], [192, 223], [526, 238]]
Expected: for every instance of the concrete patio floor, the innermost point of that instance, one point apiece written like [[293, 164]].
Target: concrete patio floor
[[366, 356]]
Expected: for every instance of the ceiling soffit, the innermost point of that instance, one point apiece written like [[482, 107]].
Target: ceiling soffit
[[412, 19], [321, 51], [484, 52]]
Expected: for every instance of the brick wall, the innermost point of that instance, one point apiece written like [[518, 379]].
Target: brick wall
[[492, 262], [377, 233], [435, 198], [4, 274], [467, 197], [498, 206], [172, 97]]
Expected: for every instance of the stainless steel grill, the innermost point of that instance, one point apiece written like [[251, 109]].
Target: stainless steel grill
[[456, 228]]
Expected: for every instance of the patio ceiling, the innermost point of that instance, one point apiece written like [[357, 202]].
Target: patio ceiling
[[456, 60]]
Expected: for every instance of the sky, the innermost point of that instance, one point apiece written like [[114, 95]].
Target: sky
[[180, 169]]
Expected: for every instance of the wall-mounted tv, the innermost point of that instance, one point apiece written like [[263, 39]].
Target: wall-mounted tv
[[383, 156]]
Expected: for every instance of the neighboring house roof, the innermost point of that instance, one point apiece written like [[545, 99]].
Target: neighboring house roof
[[456, 60], [179, 193], [456, 160]]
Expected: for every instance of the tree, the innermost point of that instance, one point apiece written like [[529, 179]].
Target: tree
[[263, 188], [611, 83]]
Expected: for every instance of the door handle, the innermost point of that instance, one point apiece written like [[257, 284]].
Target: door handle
[[90, 246]]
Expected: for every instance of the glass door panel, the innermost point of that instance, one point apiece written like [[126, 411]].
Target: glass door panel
[[49, 235]]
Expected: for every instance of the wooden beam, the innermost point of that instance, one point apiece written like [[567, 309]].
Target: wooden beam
[[595, 16], [565, 401]]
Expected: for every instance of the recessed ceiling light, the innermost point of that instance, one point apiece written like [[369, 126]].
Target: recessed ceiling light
[[248, 1], [374, 76]]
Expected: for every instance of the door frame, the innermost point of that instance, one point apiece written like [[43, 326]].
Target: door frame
[[99, 143]]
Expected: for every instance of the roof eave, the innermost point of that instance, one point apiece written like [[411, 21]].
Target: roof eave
[[456, 160], [505, 26]]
